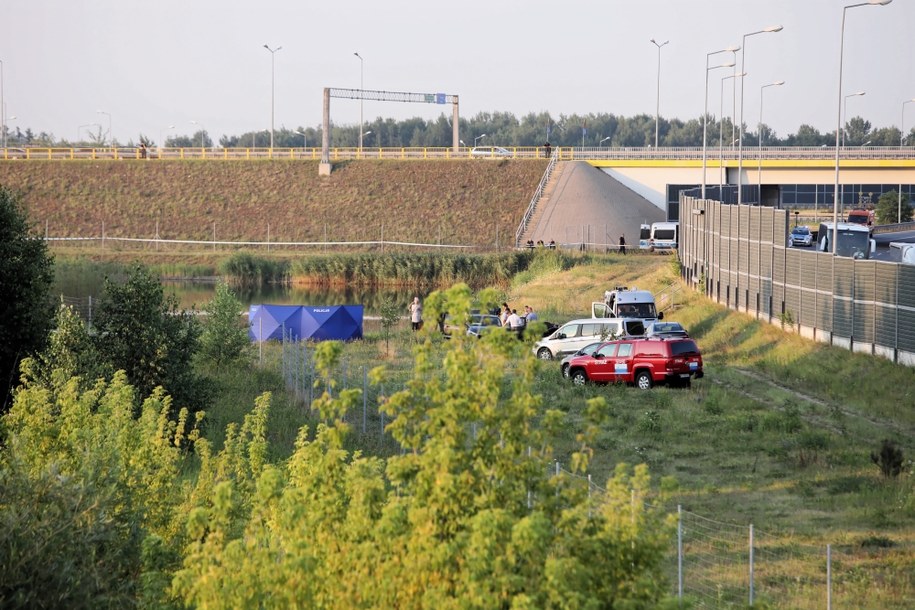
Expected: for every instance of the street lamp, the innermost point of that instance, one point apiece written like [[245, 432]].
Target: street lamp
[[273, 53], [705, 111], [901, 141], [78, 129], [657, 111], [845, 113], [110, 135], [161, 139], [835, 199], [361, 86], [304, 138], [202, 131], [603, 140], [777, 83], [477, 139], [721, 134], [367, 133], [743, 57]]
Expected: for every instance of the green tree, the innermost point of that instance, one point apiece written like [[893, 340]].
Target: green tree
[[390, 316], [807, 136], [144, 333], [70, 353], [26, 309], [83, 484], [887, 210], [225, 338], [469, 515]]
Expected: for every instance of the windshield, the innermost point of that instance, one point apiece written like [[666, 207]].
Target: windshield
[[800, 230], [855, 244], [637, 310]]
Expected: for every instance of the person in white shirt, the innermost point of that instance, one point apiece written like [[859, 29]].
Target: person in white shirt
[[514, 321]]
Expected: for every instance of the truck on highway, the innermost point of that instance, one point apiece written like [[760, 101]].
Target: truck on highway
[[863, 217], [854, 239]]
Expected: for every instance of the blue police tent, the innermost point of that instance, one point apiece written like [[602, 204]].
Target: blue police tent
[[304, 323]]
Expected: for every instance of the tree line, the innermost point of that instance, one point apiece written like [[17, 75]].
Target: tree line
[[505, 129]]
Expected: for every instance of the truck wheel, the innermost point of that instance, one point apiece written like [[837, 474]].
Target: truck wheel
[[579, 377], [643, 380], [545, 354]]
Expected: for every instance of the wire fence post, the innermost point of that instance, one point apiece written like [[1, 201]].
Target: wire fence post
[[828, 577], [365, 396], [680, 552], [751, 564]]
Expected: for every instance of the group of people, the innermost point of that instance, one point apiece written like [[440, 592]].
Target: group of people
[[512, 321], [509, 317], [540, 244]]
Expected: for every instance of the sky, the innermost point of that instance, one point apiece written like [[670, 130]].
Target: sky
[[149, 66]]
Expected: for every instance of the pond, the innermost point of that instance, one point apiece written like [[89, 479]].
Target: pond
[[81, 286]]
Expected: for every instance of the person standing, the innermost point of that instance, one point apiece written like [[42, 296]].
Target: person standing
[[530, 314], [622, 244], [503, 315], [416, 314]]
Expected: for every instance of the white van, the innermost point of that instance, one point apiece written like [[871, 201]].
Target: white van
[[623, 302], [575, 334], [664, 236]]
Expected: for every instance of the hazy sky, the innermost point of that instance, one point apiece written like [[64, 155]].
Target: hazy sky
[[153, 64]]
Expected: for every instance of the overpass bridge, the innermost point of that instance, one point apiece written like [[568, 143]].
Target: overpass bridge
[[786, 177]]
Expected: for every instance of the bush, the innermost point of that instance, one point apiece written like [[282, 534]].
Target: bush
[[889, 459]]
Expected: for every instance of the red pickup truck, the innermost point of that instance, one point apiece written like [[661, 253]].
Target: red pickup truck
[[642, 362]]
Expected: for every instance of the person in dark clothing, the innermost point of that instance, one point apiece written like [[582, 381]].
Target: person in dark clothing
[[622, 244], [547, 150]]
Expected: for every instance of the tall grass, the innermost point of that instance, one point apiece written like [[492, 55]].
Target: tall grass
[[246, 268], [410, 269]]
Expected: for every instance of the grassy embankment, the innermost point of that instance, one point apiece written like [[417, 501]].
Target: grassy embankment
[[469, 203], [776, 434]]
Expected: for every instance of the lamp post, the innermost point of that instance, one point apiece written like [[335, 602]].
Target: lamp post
[[161, 138], [777, 83], [202, 131], [110, 135], [304, 138], [845, 113], [901, 141], [657, 111], [82, 126], [835, 200], [721, 134], [743, 58], [367, 133], [361, 87], [603, 140], [705, 110], [273, 53], [477, 139]]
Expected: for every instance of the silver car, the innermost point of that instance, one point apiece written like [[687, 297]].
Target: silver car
[[490, 152], [585, 351], [800, 236]]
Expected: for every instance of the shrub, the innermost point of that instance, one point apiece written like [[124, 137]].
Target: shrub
[[889, 459]]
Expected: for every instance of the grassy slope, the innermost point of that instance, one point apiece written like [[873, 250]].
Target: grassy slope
[[778, 434], [455, 202], [775, 435]]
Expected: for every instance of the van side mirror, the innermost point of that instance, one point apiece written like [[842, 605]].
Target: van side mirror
[[660, 315], [561, 336]]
